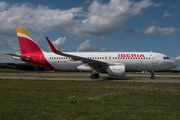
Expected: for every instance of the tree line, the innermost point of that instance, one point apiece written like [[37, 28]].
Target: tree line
[[23, 66]]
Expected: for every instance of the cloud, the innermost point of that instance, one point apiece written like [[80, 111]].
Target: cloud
[[100, 20], [59, 43], [104, 19], [38, 19], [34, 18], [3, 44], [85, 46], [3, 5], [166, 14], [131, 30], [165, 31], [87, 2], [153, 23]]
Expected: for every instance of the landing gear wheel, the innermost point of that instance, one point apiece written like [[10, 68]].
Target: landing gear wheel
[[93, 76], [153, 77], [97, 75]]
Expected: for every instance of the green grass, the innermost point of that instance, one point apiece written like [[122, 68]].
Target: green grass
[[61, 100]]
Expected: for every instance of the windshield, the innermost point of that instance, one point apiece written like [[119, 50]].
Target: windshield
[[166, 58]]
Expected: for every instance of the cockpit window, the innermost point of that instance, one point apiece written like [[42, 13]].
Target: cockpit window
[[166, 58]]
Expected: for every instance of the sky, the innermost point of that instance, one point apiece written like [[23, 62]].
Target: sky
[[93, 25]]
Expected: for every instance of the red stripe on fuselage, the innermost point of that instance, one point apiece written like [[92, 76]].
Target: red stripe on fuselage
[[38, 58]]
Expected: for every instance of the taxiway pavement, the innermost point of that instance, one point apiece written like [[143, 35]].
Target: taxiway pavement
[[166, 80]]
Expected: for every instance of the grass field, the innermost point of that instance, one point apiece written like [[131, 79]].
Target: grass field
[[66, 100]]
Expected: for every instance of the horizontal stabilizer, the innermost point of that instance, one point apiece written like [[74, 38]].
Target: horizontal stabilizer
[[18, 55]]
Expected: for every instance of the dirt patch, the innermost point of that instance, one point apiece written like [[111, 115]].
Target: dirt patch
[[100, 96]]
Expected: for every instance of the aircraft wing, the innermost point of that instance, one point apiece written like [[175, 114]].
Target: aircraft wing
[[95, 64], [16, 55]]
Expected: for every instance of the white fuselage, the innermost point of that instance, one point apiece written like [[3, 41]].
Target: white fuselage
[[134, 61]]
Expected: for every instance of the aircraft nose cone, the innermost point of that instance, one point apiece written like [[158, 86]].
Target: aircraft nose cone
[[174, 64]]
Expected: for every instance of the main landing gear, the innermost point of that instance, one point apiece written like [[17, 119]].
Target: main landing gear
[[94, 76], [152, 75]]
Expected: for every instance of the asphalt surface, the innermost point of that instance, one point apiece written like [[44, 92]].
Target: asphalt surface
[[167, 80]]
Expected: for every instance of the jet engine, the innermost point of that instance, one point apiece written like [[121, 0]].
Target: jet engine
[[84, 68], [116, 70]]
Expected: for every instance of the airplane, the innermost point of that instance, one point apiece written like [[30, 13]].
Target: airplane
[[111, 63]]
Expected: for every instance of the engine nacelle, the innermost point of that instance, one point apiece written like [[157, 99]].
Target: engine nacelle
[[116, 70], [84, 68]]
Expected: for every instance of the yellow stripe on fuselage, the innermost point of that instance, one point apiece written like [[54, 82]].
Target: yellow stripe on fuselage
[[22, 31]]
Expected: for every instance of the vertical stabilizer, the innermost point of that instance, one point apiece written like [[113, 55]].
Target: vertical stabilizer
[[27, 45]]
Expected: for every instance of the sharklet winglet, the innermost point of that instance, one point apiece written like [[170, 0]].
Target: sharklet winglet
[[51, 45]]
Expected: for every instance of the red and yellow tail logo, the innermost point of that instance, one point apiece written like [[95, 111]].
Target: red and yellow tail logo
[[27, 45], [23, 33]]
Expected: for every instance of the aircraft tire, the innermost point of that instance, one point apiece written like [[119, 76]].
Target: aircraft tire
[[93, 76], [97, 75], [153, 77]]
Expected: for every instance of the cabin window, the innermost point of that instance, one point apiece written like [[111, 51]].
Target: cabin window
[[105, 57]]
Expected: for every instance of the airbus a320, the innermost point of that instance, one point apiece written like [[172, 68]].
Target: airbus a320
[[112, 63]]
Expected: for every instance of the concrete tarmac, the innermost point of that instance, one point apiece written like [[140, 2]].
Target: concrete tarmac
[[108, 78]]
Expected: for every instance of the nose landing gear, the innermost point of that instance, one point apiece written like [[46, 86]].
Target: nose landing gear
[[152, 75]]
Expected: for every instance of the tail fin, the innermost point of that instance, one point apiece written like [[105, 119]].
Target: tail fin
[[27, 45]]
